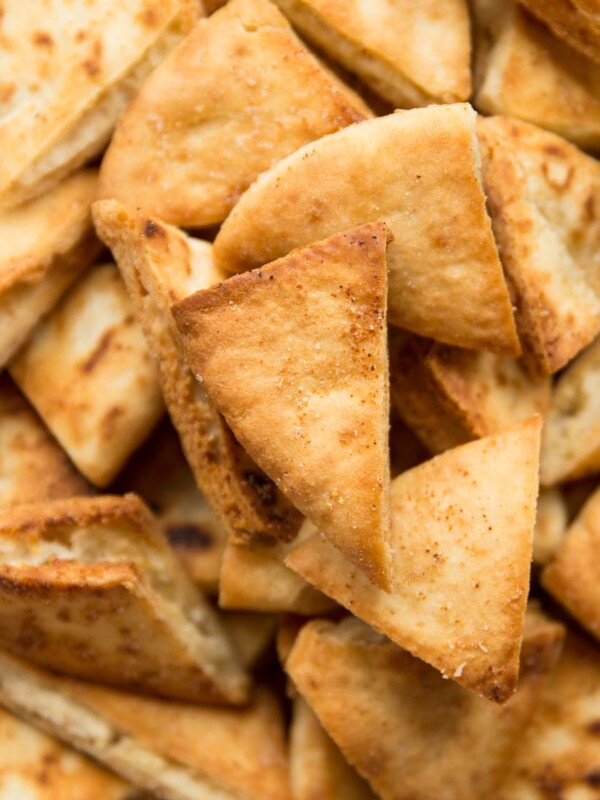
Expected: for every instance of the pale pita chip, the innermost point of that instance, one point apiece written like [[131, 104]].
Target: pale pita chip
[[573, 576], [411, 734], [32, 465], [46, 243], [412, 54], [576, 22], [317, 767], [89, 587], [294, 356], [560, 754], [462, 529], [89, 375], [160, 265], [236, 96], [550, 525], [544, 200], [418, 171], [523, 71], [67, 74], [179, 751], [450, 396], [571, 439]]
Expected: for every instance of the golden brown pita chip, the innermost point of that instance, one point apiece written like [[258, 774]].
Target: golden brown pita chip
[[294, 356], [89, 587], [560, 754], [318, 770], [416, 170], [67, 74], [523, 71], [544, 199], [571, 440], [46, 243], [32, 465], [236, 96], [412, 54], [461, 541], [450, 396], [160, 265], [576, 22], [411, 734], [550, 525], [179, 751], [89, 375]]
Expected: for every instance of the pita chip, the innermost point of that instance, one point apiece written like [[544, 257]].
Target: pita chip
[[418, 171], [178, 751], [89, 375], [32, 465], [236, 96], [90, 587], [67, 74], [577, 22], [46, 244], [560, 753], [550, 525], [294, 356], [393, 717], [462, 529], [522, 70], [160, 266], [383, 43], [251, 633], [450, 396], [544, 200], [317, 767], [571, 440]]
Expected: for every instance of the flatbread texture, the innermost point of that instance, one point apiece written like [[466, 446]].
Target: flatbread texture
[[236, 96], [462, 529], [544, 200], [160, 266], [317, 767], [522, 70], [571, 440], [180, 751], [577, 23], [46, 244], [66, 77], [382, 42], [418, 171], [32, 465], [89, 375], [572, 577], [394, 717], [450, 396], [295, 357], [559, 756], [89, 587]]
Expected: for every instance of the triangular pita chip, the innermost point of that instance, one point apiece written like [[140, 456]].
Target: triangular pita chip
[[32, 465], [461, 541], [544, 200], [238, 94], [523, 71], [576, 22], [295, 357], [411, 734], [160, 266], [560, 754], [67, 74], [450, 396], [445, 280], [317, 767], [179, 751], [550, 525], [571, 440], [383, 43], [46, 243], [573, 577], [89, 587], [89, 375]]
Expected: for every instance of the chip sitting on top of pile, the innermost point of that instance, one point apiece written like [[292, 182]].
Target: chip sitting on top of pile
[[300, 400]]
